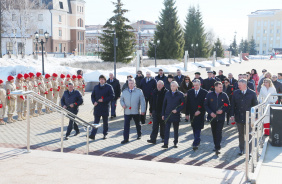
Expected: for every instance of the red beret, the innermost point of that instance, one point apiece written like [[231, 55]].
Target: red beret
[[47, 76], [79, 77], [1, 81], [62, 76], [10, 77], [31, 74], [55, 75], [19, 76], [74, 77], [68, 76], [26, 75], [38, 74]]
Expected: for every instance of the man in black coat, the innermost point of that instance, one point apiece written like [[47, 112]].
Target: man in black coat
[[198, 76], [158, 98], [168, 81], [214, 76], [232, 81], [71, 100], [101, 97], [172, 106], [161, 76], [195, 108], [240, 76], [148, 85], [217, 104], [116, 87], [208, 84], [221, 76], [179, 77], [139, 78], [278, 86], [228, 89], [243, 100], [250, 85]]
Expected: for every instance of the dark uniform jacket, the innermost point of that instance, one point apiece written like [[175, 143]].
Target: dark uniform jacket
[[176, 78], [214, 103], [278, 87], [73, 97], [221, 77], [170, 103], [105, 92], [208, 84], [116, 87], [241, 103], [138, 80], [148, 87], [192, 104], [163, 78], [158, 99]]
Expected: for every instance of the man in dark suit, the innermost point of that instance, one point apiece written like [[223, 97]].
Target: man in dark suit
[[116, 87], [101, 97], [161, 76], [148, 84], [158, 98], [243, 100], [231, 79], [217, 104], [249, 84], [198, 76], [179, 77], [214, 76], [240, 76], [208, 84], [195, 108], [221, 76], [172, 106], [71, 100]]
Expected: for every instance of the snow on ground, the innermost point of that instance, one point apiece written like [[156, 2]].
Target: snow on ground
[[14, 66]]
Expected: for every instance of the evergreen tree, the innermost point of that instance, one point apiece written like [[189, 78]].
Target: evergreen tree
[[252, 45], [241, 45], [218, 48], [233, 47], [195, 33], [170, 34], [126, 39], [246, 47]]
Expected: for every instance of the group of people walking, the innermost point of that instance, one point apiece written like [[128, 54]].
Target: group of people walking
[[216, 99]]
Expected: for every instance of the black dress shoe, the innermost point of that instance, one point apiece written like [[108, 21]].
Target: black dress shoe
[[76, 133], [217, 152], [112, 117], [92, 137], [139, 137], [66, 138], [175, 146], [240, 153], [162, 140], [150, 141], [115, 116], [124, 141], [195, 148], [165, 146], [142, 123], [105, 137]]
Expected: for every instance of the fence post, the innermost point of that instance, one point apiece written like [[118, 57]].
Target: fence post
[[62, 133], [87, 140], [247, 147], [28, 124]]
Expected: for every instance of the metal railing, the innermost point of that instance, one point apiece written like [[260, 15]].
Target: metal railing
[[256, 120], [55, 108]]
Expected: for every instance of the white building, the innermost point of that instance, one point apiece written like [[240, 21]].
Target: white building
[[265, 27]]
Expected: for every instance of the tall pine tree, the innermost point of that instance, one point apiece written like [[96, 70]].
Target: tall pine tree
[[170, 34], [252, 45], [233, 47], [241, 46], [218, 48], [126, 38], [195, 33], [246, 48]]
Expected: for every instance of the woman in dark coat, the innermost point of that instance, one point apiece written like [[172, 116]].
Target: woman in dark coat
[[138, 78], [186, 84]]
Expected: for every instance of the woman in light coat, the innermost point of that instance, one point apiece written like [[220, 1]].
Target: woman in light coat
[[267, 88]]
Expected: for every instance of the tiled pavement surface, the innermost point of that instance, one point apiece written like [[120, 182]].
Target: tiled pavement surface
[[45, 135]]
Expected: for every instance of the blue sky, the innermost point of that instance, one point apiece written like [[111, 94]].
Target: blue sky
[[224, 17]]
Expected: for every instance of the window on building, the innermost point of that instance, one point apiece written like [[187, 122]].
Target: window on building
[[40, 17], [80, 9], [60, 18], [61, 5], [40, 31], [263, 52], [60, 32], [271, 38], [264, 31], [14, 31], [264, 45], [14, 17], [9, 47], [278, 31], [80, 23], [77, 8], [271, 31], [60, 47]]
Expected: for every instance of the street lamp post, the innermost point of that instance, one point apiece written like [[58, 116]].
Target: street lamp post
[[194, 47], [155, 45], [97, 45], [46, 35]]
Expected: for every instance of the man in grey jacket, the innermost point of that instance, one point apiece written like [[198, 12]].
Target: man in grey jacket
[[131, 100]]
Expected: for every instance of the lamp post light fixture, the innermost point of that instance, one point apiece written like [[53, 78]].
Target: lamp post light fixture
[[46, 35], [155, 45], [194, 47]]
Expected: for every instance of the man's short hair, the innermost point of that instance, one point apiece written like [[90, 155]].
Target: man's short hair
[[214, 72], [280, 74], [197, 81], [131, 79], [178, 70], [264, 70], [70, 84], [221, 71], [217, 83], [102, 77], [244, 81], [174, 82], [160, 69], [226, 80], [129, 76], [148, 72], [170, 76]]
